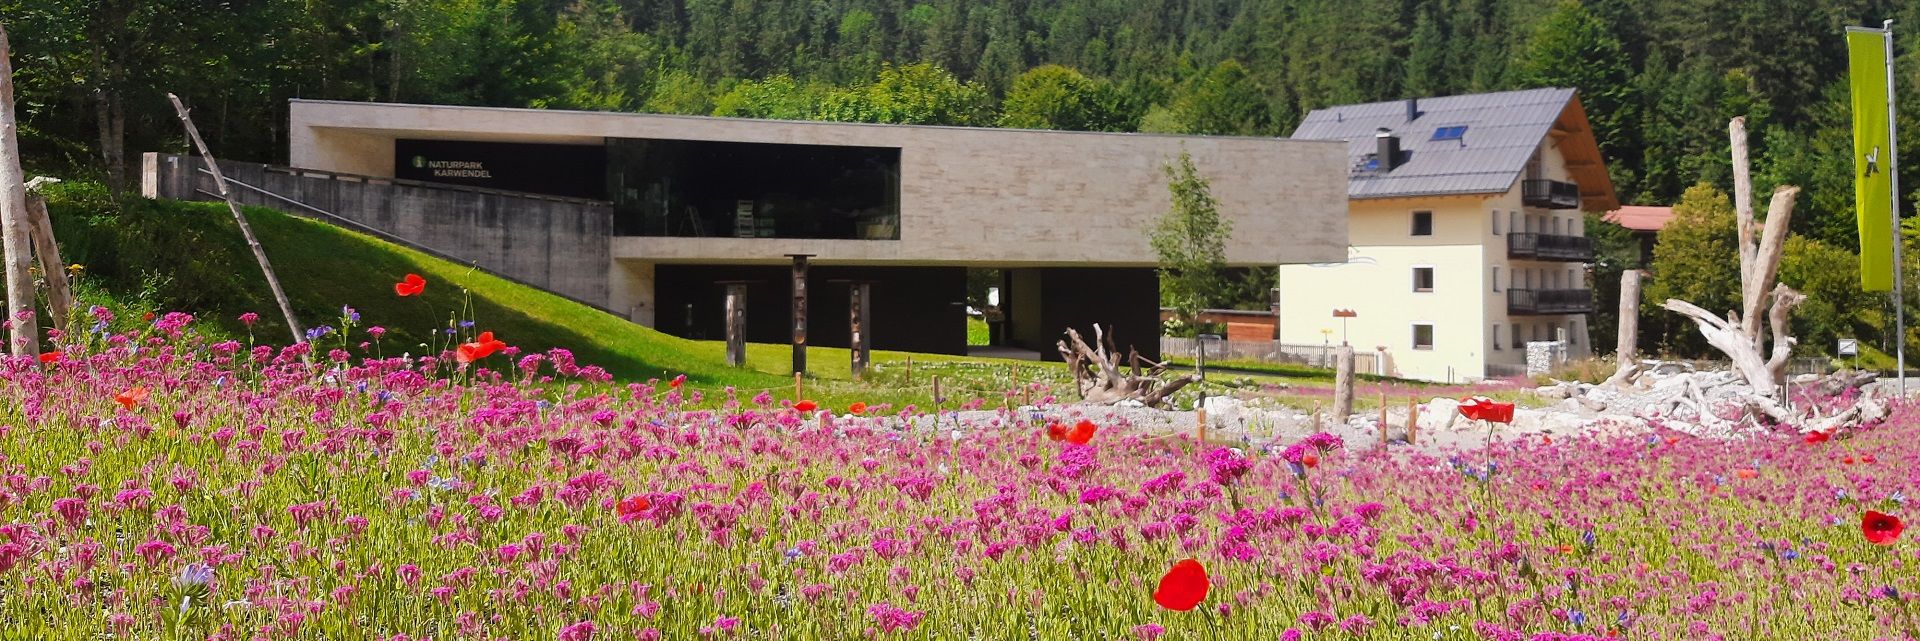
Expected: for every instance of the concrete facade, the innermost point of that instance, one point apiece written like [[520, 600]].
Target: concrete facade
[[1064, 212], [555, 244]]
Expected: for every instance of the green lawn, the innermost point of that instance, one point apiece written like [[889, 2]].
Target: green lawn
[[144, 255]]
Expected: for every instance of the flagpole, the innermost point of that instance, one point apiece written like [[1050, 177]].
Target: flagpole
[[1893, 174]]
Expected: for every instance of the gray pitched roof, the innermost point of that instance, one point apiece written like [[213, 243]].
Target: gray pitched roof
[[1503, 130]]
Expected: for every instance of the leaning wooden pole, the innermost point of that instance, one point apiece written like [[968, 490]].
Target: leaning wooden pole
[[59, 291], [24, 339], [259, 254]]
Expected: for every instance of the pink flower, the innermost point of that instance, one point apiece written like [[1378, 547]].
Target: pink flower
[[154, 551]]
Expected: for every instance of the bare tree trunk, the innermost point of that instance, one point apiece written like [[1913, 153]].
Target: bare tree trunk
[[1343, 384], [24, 340], [259, 254], [1743, 202], [1626, 351], [110, 119]]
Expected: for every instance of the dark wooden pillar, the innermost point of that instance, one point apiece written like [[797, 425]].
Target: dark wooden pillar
[[800, 312], [736, 320], [859, 322]]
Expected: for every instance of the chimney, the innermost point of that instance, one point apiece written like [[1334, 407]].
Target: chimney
[[1413, 109], [1388, 150]]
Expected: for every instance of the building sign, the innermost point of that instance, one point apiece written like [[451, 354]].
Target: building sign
[[577, 171]]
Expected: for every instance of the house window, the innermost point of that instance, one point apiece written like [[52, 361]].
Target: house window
[[1496, 278], [1496, 337], [1526, 279], [1513, 223], [1496, 222], [1423, 336], [1517, 342], [1573, 333], [1423, 279], [1573, 280], [1556, 280], [1423, 223]]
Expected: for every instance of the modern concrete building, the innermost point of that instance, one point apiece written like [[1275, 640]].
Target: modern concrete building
[[697, 202], [1468, 240]]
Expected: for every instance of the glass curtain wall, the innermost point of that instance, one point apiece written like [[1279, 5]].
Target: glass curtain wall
[[693, 188]]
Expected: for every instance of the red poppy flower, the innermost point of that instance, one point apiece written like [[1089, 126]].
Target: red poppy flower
[[677, 381], [412, 285], [482, 346], [1183, 587], [1866, 458], [50, 357], [1746, 473], [1816, 437], [1846, 460], [857, 408], [1056, 431], [1082, 432], [1673, 439], [1481, 408], [1880, 529], [631, 507], [1310, 460], [806, 406], [131, 398]]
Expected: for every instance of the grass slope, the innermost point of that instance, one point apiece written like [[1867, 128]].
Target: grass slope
[[145, 255]]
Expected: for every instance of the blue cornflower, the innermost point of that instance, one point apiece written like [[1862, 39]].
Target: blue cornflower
[[1897, 498], [1588, 538], [792, 553], [1790, 555], [349, 313], [193, 574], [1577, 618], [1623, 620], [317, 331], [449, 331], [466, 324], [432, 460], [1299, 471], [1840, 494]]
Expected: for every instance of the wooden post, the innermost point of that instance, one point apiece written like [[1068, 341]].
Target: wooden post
[[798, 393], [1200, 420], [799, 313], [24, 339], [1413, 413], [737, 324], [909, 370], [858, 319], [1383, 410], [1343, 384], [1627, 342], [59, 291], [936, 393], [259, 254]]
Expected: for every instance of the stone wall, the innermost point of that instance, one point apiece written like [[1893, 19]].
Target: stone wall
[[561, 245]]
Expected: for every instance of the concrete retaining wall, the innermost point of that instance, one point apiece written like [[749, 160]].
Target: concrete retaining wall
[[561, 245]]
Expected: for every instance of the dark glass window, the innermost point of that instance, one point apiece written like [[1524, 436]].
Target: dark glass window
[[1423, 223], [1423, 279], [753, 190], [1422, 336]]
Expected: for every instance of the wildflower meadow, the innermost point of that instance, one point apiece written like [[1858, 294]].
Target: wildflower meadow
[[160, 484]]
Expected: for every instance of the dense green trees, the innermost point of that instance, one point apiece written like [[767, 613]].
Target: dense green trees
[[1659, 78]]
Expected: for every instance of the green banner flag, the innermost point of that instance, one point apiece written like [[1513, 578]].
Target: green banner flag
[[1872, 156]]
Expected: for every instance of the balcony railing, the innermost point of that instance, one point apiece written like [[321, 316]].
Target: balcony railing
[[1549, 301], [1550, 247], [1550, 194]]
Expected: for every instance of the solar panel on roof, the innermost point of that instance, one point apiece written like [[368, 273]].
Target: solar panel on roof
[[1450, 133]]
